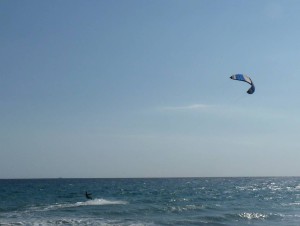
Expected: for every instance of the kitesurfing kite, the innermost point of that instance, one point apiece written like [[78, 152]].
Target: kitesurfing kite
[[244, 78]]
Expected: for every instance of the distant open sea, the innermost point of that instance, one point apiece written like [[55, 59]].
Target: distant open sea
[[166, 201]]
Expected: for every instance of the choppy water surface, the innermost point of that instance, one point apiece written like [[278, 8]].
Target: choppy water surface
[[168, 201]]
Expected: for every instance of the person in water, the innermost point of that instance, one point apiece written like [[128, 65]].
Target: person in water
[[88, 195]]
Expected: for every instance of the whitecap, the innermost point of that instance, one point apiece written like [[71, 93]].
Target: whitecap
[[250, 216], [94, 202], [99, 202]]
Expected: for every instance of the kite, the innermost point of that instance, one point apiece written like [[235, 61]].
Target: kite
[[244, 78]]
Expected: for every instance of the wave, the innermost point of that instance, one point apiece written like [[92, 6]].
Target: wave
[[31, 215], [72, 221], [93, 202], [256, 216], [251, 216], [185, 208], [100, 202]]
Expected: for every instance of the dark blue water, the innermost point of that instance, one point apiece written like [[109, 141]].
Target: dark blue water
[[175, 201]]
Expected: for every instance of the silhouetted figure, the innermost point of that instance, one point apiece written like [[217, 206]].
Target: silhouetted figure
[[88, 195]]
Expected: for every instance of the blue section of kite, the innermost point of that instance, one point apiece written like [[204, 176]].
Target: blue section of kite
[[244, 78]]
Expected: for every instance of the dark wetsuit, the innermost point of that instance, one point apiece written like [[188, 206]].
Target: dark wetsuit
[[88, 196]]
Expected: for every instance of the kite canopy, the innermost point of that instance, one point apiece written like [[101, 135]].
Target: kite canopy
[[244, 78]]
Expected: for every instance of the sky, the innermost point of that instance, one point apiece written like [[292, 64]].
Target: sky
[[139, 88]]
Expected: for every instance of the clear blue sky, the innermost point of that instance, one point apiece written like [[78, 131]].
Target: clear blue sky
[[141, 88]]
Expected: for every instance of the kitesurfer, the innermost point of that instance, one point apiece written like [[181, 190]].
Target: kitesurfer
[[88, 195]]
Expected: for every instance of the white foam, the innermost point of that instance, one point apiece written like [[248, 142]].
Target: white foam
[[72, 221], [69, 221], [100, 202], [251, 216], [94, 202]]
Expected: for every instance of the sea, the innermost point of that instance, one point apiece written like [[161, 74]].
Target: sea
[[151, 201]]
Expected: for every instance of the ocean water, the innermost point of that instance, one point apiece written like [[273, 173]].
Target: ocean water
[[167, 201]]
